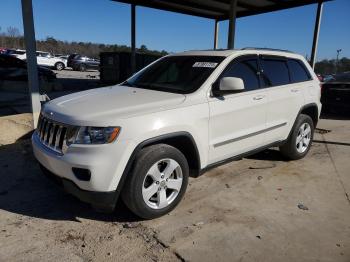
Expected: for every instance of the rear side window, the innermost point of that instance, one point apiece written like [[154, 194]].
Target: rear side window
[[275, 72], [247, 71], [298, 72]]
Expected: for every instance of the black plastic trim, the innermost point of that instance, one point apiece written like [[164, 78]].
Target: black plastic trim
[[250, 135], [240, 156], [150, 142], [301, 109], [103, 200]]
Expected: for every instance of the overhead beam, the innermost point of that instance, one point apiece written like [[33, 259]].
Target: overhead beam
[[133, 39], [316, 34], [32, 68], [232, 25], [211, 5], [177, 8], [217, 9], [278, 6]]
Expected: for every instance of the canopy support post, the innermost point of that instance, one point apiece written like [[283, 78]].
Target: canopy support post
[[232, 25], [316, 34], [32, 68]]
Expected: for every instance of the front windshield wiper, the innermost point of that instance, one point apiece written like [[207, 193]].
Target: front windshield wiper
[[126, 83]]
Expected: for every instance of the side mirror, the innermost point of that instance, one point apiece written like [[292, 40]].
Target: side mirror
[[228, 85]]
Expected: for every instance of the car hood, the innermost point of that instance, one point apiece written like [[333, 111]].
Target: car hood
[[103, 106]]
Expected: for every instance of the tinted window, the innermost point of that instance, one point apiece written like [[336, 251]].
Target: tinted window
[[275, 72], [176, 74], [247, 71], [297, 71]]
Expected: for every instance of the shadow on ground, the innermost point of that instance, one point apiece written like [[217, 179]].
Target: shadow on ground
[[268, 154], [25, 191], [336, 115]]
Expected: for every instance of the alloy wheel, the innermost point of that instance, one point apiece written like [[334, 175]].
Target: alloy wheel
[[303, 138], [162, 183]]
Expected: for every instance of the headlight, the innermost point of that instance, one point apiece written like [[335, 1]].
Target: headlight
[[92, 135]]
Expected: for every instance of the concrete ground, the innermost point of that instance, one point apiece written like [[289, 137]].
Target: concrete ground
[[261, 208]]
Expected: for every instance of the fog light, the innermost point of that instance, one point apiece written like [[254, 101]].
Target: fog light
[[82, 173]]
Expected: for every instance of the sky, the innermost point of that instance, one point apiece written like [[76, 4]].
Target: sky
[[104, 21]]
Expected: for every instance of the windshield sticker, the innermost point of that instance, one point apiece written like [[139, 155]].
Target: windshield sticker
[[205, 64]]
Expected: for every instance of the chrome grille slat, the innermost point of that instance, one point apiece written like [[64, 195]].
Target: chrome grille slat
[[58, 135], [42, 132], [51, 133], [48, 130]]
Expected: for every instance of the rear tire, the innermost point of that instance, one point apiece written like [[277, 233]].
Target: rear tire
[[157, 181], [300, 140], [59, 66]]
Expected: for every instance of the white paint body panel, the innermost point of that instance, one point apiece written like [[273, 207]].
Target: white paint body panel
[[143, 114]]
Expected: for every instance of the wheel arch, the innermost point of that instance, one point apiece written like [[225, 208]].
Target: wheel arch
[[309, 109], [312, 111], [182, 140]]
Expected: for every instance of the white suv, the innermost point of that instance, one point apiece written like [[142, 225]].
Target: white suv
[[45, 59], [178, 117]]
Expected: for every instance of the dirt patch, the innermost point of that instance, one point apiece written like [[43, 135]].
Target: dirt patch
[[14, 127]]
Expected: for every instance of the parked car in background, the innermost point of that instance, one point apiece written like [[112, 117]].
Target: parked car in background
[[64, 57], [21, 54], [42, 58], [12, 68], [83, 63], [327, 78], [336, 93], [46, 59]]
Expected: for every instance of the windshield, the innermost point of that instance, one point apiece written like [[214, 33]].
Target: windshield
[[176, 74]]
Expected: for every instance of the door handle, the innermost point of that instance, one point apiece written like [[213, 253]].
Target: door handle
[[294, 90], [259, 97]]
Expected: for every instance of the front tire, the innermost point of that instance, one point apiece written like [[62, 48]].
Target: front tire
[[157, 181], [82, 68], [300, 140]]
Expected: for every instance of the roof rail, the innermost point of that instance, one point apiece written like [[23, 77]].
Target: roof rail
[[267, 49]]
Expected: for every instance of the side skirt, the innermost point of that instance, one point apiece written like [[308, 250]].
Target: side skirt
[[239, 157]]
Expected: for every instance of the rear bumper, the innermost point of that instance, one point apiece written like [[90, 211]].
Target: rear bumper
[[101, 200]]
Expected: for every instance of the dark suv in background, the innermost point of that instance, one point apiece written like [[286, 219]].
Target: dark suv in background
[[82, 63]]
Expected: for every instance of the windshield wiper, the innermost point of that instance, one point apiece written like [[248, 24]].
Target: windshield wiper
[[126, 83]]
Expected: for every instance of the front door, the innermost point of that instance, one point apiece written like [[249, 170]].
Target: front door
[[237, 120]]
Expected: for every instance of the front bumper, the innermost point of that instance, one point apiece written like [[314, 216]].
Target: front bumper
[[102, 200], [106, 163]]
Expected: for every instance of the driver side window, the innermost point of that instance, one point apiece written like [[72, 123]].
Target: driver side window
[[247, 70]]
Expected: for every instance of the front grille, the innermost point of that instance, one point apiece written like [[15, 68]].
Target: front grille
[[52, 134]]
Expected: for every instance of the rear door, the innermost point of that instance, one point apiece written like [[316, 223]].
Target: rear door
[[237, 121], [284, 98]]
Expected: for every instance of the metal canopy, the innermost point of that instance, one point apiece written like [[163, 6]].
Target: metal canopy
[[220, 9]]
